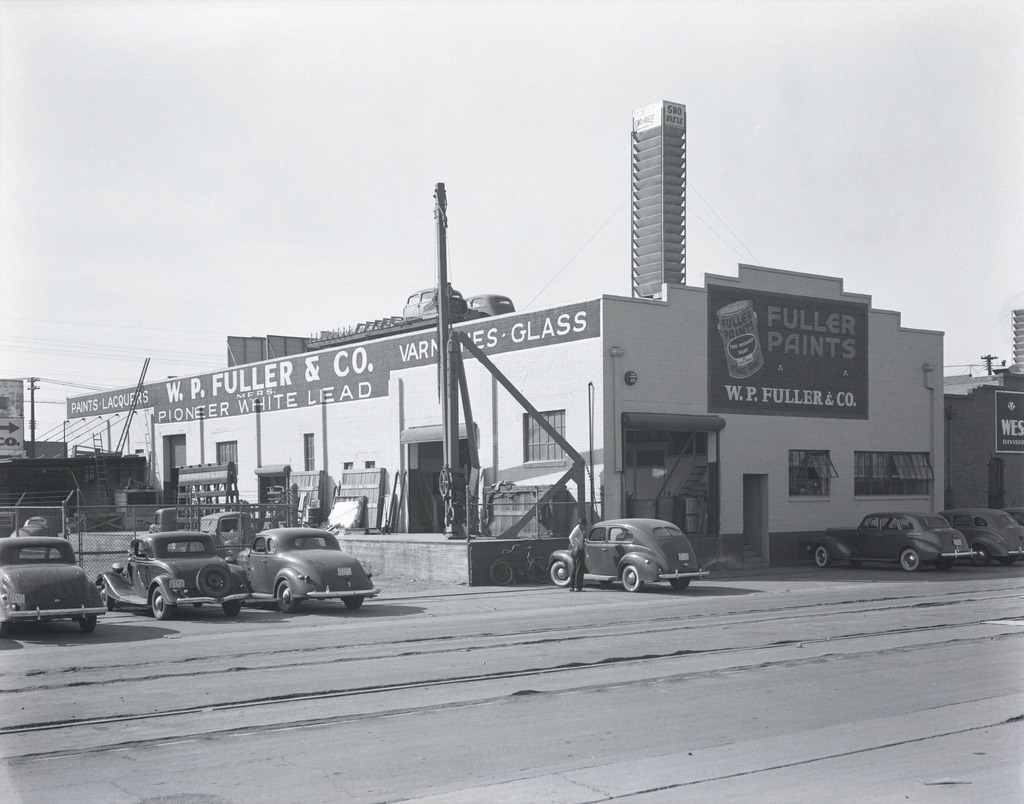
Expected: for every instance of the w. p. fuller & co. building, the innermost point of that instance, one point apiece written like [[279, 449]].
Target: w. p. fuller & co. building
[[753, 412]]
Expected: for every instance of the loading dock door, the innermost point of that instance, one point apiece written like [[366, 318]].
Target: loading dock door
[[669, 471], [425, 459]]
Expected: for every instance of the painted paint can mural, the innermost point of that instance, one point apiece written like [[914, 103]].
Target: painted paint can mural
[[737, 324]]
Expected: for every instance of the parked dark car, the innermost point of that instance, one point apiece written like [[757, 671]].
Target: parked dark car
[[170, 569], [633, 551], [490, 304], [990, 533], [900, 536], [1017, 514], [290, 565], [40, 581], [423, 304]]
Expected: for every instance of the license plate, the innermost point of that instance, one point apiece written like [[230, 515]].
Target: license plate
[[958, 543], [684, 556], [177, 583], [344, 570]]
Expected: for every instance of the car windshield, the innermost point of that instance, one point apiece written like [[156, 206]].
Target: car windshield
[[934, 522], [35, 554], [190, 547]]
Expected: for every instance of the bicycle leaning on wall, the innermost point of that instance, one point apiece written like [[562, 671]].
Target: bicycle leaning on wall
[[514, 564]]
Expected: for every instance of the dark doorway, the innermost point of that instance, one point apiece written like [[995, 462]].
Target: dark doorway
[[996, 488], [174, 457], [755, 514], [426, 506]]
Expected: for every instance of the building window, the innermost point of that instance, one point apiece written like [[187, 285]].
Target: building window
[[810, 472], [227, 452], [892, 474], [309, 451], [538, 445], [347, 466], [369, 464]]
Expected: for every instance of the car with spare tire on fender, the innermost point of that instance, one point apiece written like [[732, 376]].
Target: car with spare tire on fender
[[907, 538], [170, 569], [633, 552]]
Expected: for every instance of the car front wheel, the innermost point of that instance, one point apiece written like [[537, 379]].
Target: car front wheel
[[231, 607], [1007, 561], [353, 603], [559, 572], [910, 560], [286, 601], [943, 563], [162, 610], [87, 623], [631, 579], [679, 583], [822, 557], [982, 557]]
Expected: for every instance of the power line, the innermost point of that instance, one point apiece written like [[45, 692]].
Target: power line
[[726, 225], [579, 251]]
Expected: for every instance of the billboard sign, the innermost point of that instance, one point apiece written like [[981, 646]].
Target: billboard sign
[[663, 113], [12, 418], [346, 373], [1009, 421], [784, 355], [12, 436], [12, 399]]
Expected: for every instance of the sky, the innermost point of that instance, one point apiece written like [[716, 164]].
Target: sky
[[172, 173]]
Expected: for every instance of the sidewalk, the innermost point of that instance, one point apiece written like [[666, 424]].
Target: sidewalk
[[396, 586]]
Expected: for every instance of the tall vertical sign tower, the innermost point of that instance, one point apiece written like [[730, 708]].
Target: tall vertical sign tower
[[659, 198]]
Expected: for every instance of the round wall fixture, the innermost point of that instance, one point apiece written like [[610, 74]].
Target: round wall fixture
[[631, 377]]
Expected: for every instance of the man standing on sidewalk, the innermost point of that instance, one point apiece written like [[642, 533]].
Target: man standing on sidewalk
[[576, 539]]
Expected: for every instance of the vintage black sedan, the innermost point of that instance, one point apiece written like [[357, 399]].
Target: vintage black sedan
[[992, 534], [904, 537], [290, 565], [39, 581], [633, 551], [170, 569]]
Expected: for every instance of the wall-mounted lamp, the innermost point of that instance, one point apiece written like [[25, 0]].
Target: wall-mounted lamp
[[616, 351]]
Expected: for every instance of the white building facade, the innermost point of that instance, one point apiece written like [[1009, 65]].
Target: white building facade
[[754, 411]]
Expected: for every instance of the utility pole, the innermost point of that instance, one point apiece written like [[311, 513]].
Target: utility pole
[[32, 388], [452, 480], [988, 363]]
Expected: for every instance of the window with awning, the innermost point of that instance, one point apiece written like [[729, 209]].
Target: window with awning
[[810, 472], [892, 473]]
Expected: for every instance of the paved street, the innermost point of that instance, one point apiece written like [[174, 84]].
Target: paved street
[[802, 685]]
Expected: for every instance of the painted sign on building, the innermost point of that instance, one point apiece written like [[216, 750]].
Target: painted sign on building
[[343, 374], [1009, 421], [12, 418], [778, 354]]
